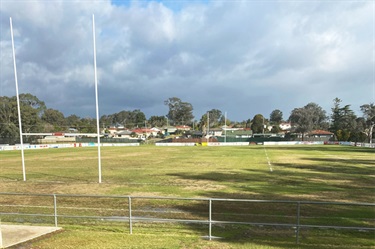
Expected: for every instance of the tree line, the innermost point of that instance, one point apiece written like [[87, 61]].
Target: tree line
[[36, 117]]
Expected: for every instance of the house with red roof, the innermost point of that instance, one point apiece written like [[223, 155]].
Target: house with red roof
[[319, 135], [144, 133], [183, 127]]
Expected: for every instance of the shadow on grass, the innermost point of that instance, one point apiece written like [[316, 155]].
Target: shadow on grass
[[314, 179], [325, 179], [325, 148], [343, 162], [333, 177]]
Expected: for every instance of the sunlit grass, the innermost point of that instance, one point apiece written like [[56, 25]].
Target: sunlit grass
[[311, 172], [315, 173]]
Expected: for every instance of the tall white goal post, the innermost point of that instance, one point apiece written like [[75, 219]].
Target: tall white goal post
[[75, 134], [18, 101], [96, 100]]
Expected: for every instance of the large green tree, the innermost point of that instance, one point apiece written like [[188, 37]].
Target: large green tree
[[87, 125], [31, 109], [54, 118], [157, 121], [359, 133], [179, 112], [343, 121], [129, 119], [308, 118], [214, 117], [276, 116], [27, 99], [368, 111], [83, 125], [138, 117], [257, 124], [9, 132], [73, 121]]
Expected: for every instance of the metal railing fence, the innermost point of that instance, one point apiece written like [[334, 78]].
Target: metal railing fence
[[210, 211]]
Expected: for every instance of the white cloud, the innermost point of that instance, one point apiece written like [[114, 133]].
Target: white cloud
[[227, 55]]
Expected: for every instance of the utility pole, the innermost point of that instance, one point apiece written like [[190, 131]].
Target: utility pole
[[146, 132], [263, 126], [208, 126], [225, 125]]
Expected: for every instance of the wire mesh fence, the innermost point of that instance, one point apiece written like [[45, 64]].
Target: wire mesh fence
[[284, 216]]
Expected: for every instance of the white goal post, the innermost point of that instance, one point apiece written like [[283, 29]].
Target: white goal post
[[52, 134]]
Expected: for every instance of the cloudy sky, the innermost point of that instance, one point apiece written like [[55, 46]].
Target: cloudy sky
[[240, 56]]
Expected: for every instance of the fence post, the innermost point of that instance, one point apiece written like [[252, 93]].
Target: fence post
[[298, 221], [55, 208], [209, 219], [1, 237], [130, 215]]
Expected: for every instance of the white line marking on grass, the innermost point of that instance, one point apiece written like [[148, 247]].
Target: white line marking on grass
[[268, 159]]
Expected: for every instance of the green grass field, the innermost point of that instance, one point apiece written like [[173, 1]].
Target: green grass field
[[311, 173]]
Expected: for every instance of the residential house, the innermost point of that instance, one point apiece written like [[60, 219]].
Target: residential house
[[183, 127], [216, 132], [123, 134], [144, 133], [285, 126], [239, 133], [169, 130], [319, 135], [155, 131], [229, 128]]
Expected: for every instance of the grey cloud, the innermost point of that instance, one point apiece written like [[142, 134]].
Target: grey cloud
[[244, 57]]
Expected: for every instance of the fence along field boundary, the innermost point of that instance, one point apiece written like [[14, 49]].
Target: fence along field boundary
[[207, 211], [76, 145]]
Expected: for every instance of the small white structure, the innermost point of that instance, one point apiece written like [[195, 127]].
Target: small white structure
[[285, 126]]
